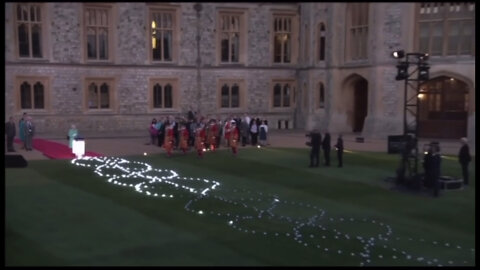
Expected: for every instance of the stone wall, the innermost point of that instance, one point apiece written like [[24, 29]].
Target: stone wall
[[391, 28]]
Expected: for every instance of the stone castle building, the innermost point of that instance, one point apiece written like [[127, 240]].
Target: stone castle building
[[115, 66]]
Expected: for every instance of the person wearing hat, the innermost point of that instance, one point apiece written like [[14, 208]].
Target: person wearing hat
[[464, 158], [200, 139], [314, 143], [184, 136], [212, 134], [234, 134], [169, 139]]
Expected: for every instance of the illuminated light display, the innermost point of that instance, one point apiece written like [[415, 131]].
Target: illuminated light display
[[311, 231]]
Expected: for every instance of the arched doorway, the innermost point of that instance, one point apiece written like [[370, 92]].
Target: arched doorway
[[443, 108], [360, 104]]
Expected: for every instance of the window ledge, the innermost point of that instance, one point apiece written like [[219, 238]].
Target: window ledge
[[164, 110], [99, 111], [34, 111], [225, 64], [33, 60], [166, 63], [239, 109]]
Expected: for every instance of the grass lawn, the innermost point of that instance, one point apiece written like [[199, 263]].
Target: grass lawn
[[269, 209]]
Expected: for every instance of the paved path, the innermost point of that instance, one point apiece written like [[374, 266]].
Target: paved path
[[136, 144]]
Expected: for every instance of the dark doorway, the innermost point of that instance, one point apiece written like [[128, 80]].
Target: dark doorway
[[360, 104], [443, 108]]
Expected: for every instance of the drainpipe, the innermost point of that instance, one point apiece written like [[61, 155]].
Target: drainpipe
[[198, 9]]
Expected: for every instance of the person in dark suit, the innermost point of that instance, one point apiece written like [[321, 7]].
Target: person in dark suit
[[326, 148], [435, 168], [10, 131], [315, 140], [339, 147], [464, 158]]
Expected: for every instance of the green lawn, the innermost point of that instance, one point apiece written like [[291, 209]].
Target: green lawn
[[60, 214]]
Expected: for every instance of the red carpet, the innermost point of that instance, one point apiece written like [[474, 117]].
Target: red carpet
[[54, 150]]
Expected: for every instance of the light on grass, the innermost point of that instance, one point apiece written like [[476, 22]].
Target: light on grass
[[144, 153], [317, 220]]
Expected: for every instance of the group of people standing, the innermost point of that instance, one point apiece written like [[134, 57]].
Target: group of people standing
[[432, 164], [26, 132], [316, 142], [207, 133]]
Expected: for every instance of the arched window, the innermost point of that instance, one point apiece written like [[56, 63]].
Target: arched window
[[99, 93], [446, 28], [230, 35], [321, 42], [26, 96], [104, 96], [162, 94], [29, 30], [97, 30], [443, 108], [277, 95], [283, 93], [225, 96], [357, 31], [162, 31], [321, 96], [157, 96], [235, 101], [282, 31], [38, 96], [168, 96], [230, 93], [286, 95]]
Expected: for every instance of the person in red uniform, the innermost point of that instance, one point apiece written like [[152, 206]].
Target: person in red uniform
[[227, 131], [212, 135], [184, 135], [234, 134], [200, 139], [169, 139]]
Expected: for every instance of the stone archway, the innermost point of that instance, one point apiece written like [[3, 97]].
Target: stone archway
[[360, 104], [443, 108], [355, 102]]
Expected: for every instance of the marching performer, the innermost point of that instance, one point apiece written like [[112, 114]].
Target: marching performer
[[226, 129], [200, 139], [212, 135], [234, 134], [184, 135], [169, 139]]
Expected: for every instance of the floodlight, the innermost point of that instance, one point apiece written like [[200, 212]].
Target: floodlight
[[402, 71], [398, 54], [423, 73]]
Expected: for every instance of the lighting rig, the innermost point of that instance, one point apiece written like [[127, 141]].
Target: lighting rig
[[413, 69]]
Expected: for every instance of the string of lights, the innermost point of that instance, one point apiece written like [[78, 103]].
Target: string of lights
[[252, 213]]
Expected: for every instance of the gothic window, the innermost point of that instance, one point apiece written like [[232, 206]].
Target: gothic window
[[29, 30], [99, 94], [163, 93], [98, 31], [230, 94], [357, 31], [446, 28], [321, 42], [321, 96], [162, 35], [283, 94], [32, 93], [231, 25], [283, 27]]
